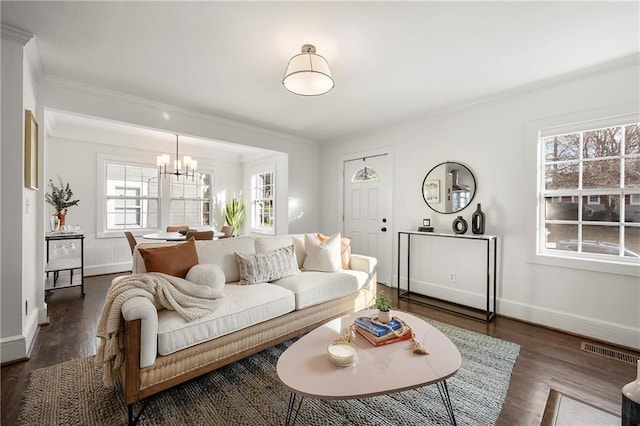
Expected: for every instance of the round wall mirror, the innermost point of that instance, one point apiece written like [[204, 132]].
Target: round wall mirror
[[449, 187]]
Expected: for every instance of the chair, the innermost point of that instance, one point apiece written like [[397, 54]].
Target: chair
[[177, 228], [200, 235], [131, 239], [228, 231]]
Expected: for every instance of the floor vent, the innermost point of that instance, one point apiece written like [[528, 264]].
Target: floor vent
[[609, 353]]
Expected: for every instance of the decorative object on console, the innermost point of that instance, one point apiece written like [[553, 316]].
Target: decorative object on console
[[477, 221], [460, 225], [426, 226], [383, 305], [190, 165], [631, 401], [308, 73], [60, 198]]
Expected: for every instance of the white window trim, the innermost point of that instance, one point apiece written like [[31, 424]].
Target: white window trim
[[263, 230], [616, 114], [165, 199], [101, 190]]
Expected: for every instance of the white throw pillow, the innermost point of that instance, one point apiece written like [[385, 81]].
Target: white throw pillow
[[207, 274], [324, 255]]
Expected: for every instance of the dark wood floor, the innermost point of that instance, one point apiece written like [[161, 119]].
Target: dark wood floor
[[548, 359]]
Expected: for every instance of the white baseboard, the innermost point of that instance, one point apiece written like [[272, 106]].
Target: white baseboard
[[13, 348], [31, 329], [606, 331], [111, 268]]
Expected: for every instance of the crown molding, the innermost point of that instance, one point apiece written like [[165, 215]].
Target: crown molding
[[76, 86], [614, 65], [15, 35]]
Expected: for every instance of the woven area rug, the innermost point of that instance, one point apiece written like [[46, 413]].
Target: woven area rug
[[249, 392]]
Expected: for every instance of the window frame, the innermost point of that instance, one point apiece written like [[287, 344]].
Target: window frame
[[102, 196], [202, 200], [580, 260], [260, 228]]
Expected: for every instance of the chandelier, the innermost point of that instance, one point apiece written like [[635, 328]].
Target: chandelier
[[308, 73], [190, 165]]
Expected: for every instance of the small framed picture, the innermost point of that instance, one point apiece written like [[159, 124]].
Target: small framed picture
[[426, 222], [31, 158]]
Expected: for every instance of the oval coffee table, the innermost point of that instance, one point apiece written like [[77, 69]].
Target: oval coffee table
[[304, 368]]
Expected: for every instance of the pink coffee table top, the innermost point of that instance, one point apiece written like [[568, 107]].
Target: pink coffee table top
[[305, 369]]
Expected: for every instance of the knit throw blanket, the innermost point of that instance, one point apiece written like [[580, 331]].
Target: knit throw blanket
[[191, 301]]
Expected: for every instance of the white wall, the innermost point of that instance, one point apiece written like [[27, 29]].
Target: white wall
[[491, 138], [19, 299]]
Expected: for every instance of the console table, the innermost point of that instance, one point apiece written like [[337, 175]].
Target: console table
[[55, 266], [491, 271]]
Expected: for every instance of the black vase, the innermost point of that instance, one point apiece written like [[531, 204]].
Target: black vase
[[477, 221], [460, 225]]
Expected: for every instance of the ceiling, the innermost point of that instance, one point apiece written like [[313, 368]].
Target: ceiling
[[392, 61]]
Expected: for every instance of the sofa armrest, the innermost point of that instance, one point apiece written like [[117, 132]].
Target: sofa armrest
[[143, 309], [363, 263]]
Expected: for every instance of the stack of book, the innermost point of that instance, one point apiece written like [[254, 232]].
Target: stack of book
[[379, 335]]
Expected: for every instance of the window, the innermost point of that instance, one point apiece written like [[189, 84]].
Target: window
[[262, 201], [131, 197], [190, 200], [590, 182]]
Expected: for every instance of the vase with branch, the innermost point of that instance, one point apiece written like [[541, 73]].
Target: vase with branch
[[60, 197], [234, 212]]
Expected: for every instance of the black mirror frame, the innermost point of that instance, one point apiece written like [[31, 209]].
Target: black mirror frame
[[475, 186]]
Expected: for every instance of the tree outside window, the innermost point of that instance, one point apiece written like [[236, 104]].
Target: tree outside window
[[591, 179]]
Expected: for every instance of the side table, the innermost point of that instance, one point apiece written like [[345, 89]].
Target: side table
[[55, 266]]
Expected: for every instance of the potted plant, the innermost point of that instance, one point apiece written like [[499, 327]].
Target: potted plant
[[60, 199], [383, 305], [234, 212]]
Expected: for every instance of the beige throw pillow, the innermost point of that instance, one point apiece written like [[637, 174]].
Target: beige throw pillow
[[324, 255]]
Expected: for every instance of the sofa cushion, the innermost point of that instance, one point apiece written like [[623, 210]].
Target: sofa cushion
[[173, 260], [345, 250], [312, 287], [222, 253], [242, 307], [206, 274], [267, 266], [324, 255]]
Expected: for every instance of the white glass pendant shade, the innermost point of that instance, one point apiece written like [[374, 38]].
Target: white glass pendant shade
[[308, 74]]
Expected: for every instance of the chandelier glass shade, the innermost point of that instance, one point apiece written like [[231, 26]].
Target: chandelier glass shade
[[190, 165], [308, 73]]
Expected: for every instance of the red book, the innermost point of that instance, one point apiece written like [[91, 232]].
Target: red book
[[386, 341]]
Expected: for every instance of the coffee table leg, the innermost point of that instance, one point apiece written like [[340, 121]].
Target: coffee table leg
[[293, 409], [444, 394]]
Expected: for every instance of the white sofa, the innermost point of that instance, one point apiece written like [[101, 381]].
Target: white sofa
[[163, 350]]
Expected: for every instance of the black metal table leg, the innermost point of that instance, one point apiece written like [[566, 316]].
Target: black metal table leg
[[444, 394], [292, 409]]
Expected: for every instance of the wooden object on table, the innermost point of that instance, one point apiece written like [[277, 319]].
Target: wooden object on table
[[200, 235], [177, 228]]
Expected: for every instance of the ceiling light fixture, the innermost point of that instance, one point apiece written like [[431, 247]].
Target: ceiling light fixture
[[190, 165], [308, 73]]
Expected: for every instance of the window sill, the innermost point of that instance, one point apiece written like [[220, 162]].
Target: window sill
[[609, 267]]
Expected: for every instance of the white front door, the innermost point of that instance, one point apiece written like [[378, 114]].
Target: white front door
[[367, 209]]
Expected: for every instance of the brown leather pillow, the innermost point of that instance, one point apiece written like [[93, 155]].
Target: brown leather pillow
[[173, 260]]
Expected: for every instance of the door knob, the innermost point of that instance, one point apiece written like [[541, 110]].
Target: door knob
[[384, 220], [384, 229]]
